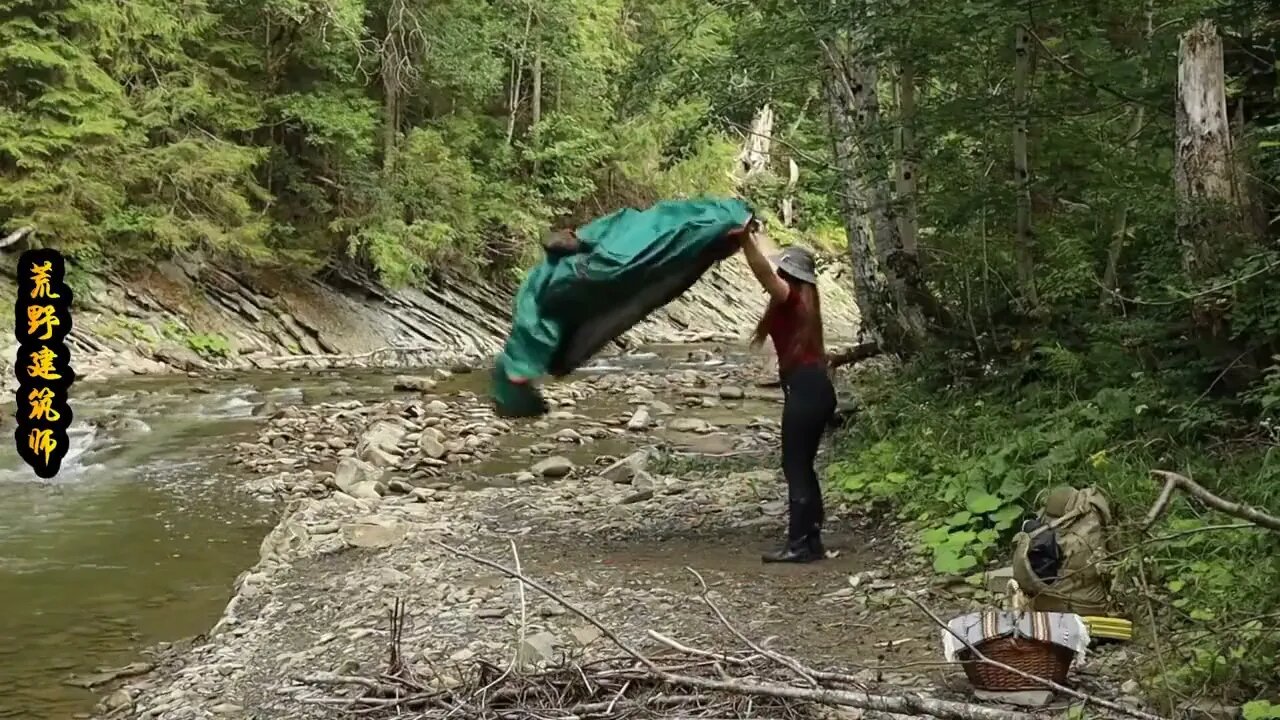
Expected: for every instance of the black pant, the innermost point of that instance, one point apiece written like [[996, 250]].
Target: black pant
[[810, 402]]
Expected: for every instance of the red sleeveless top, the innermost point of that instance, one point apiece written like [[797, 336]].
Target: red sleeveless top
[[784, 325]]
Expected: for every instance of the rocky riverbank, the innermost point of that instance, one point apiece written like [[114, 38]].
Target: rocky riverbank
[[632, 478], [193, 315]]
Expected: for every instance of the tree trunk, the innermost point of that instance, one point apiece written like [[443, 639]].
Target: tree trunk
[[788, 201], [517, 78], [391, 126], [535, 104], [1120, 232], [869, 289], [1209, 219], [754, 157], [1023, 250], [908, 217], [788, 207], [890, 308]]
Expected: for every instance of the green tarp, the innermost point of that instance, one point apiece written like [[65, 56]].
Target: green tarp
[[626, 265]]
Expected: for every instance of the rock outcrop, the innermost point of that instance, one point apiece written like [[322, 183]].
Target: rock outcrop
[[189, 315]]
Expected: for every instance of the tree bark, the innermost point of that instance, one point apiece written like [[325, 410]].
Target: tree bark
[[517, 78], [1120, 232], [788, 205], [908, 217], [13, 237], [1023, 241], [788, 202], [891, 307], [535, 105], [1209, 218], [756, 147]]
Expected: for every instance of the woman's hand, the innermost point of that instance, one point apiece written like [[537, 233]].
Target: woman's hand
[[746, 233]]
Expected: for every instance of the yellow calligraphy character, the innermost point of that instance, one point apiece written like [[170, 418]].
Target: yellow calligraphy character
[[42, 365], [42, 441], [41, 401], [45, 315], [40, 280]]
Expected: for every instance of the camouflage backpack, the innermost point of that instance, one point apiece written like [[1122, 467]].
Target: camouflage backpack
[[1072, 528]]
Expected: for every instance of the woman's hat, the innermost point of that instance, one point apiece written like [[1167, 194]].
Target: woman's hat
[[796, 262]]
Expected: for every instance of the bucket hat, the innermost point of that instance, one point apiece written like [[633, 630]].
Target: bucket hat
[[798, 263]]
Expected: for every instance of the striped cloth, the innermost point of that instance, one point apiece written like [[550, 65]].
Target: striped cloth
[[1065, 629]]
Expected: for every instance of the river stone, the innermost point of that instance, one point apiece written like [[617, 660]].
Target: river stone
[[661, 408], [688, 424], [731, 392], [410, 383], [116, 702], [367, 490], [378, 444], [351, 471], [373, 533], [637, 496], [584, 635], [266, 409], [624, 471], [430, 446], [553, 467], [640, 420], [568, 435], [710, 444], [537, 649]]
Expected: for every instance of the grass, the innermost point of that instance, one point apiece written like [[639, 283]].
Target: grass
[[960, 466]]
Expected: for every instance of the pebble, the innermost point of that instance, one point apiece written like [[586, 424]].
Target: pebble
[[553, 467], [358, 549]]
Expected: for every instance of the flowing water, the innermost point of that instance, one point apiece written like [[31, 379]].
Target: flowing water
[[140, 536]]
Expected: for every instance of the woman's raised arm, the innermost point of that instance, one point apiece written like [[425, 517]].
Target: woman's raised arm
[[777, 288]]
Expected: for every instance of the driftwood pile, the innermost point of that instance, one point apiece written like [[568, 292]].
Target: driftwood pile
[[680, 682]]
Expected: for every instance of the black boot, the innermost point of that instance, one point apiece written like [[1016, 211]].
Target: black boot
[[803, 550], [804, 543]]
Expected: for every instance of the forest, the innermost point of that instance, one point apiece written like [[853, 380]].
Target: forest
[[1062, 216]]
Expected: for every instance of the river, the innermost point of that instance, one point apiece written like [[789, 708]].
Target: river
[[138, 539]]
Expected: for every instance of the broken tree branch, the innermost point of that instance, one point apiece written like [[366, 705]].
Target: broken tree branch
[[554, 596], [13, 237], [783, 660], [853, 354], [337, 357], [907, 703], [1174, 481]]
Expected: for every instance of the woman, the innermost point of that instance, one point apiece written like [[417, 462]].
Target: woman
[[793, 321]]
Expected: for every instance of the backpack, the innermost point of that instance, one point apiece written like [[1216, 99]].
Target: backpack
[[1065, 544]]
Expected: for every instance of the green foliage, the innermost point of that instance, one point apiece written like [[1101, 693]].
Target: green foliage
[[209, 346], [963, 464], [1261, 710], [398, 133]]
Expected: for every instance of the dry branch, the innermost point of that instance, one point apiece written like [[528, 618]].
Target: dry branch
[[1174, 481], [853, 354], [654, 676], [13, 237], [355, 356]]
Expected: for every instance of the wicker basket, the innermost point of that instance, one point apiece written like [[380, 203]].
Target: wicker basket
[[1034, 657]]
